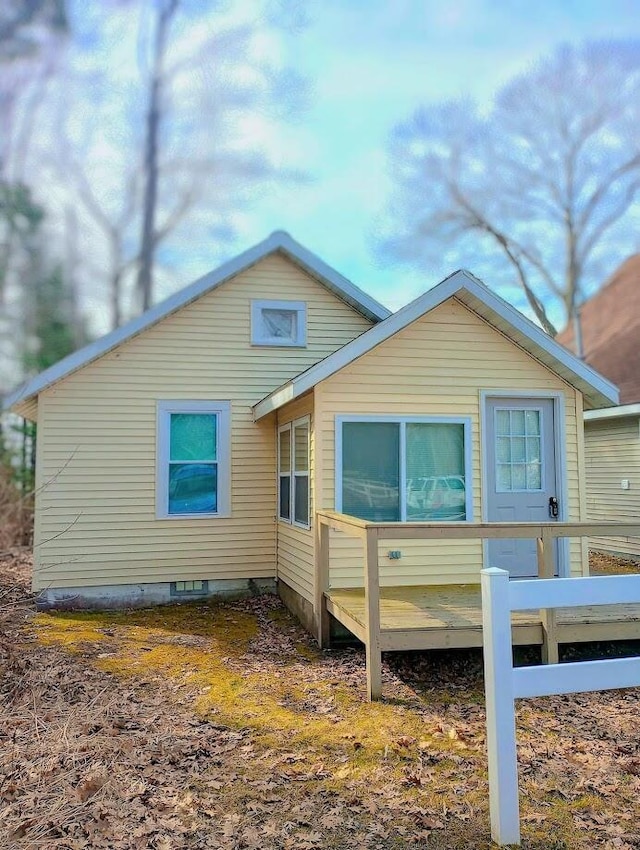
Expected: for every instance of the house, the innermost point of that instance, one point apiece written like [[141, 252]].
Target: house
[[610, 331], [188, 452]]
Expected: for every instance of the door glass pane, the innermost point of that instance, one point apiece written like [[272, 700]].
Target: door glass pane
[[503, 477], [518, 476], [301, 448], [518, 450], [285, 451], [534, 476], [193, 436], [502, 422], [533, 449], [517, 421], [504, 450], [371, 470], [532, 422], [193, 488], [435, 471], [301, 506]]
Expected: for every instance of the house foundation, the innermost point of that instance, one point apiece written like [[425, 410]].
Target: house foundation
[[118, 596]]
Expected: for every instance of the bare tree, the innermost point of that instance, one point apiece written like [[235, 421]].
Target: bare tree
[[547, 179], [113, 221], [166, 10], [24, 24], [175, 152], [31, 35]]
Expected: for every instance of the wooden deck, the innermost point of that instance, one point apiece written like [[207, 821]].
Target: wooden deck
[[430, 617], [450, 616]]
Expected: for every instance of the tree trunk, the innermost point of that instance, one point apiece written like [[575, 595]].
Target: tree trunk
[[150, 164], [115, 282]]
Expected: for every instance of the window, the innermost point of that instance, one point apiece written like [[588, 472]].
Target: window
[[193, 459], [293, 472], [518, 449], [404, 469], [281, 323], [284, 473]]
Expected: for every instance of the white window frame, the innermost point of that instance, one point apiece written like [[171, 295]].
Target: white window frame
[[281, 430], [222, 410], [291, 427], [403, 421], [299, 307]]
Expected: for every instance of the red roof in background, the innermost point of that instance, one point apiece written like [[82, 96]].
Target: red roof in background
[[611, 330]]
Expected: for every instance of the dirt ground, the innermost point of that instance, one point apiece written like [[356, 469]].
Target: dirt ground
[[602, 565], [223, 726]]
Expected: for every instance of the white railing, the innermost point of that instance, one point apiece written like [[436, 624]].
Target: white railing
[[504, 684]]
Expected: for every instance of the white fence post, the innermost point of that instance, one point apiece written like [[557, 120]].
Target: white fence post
[[501, 725], [503, 684]]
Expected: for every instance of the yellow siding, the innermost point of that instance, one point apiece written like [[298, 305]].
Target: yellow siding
[[296, 545], [612, 450], [436, 366], [96, 520], [28, 409]]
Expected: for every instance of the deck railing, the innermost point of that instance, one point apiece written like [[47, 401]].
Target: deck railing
[[544, 533]]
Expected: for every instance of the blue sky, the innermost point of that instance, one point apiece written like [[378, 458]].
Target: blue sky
[[370, 64], [373, 62]]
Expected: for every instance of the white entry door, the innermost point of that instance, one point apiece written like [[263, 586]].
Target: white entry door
[[521, 476]]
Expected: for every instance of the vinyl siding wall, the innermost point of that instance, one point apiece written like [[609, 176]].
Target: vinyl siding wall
[[296, 545], [96, 521], [436, 366], [612, 450]]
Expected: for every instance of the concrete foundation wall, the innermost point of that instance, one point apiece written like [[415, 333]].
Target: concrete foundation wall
[[145, 595], [302, 610], [300, 607]]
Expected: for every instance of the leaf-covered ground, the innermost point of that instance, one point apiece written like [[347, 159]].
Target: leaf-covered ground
[[223, 726]]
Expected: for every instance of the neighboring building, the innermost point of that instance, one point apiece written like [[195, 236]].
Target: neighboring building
[[186, 452], [610, 331]]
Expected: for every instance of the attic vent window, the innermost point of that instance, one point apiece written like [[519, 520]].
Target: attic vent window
[[279, 323]]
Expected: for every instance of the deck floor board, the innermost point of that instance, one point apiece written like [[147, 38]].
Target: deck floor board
[[437, 609]]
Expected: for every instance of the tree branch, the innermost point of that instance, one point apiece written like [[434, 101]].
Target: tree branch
[[605, 185], [479, 222]]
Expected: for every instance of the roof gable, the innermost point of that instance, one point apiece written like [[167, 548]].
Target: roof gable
[[598, 392], [277, 242], [610, 326]]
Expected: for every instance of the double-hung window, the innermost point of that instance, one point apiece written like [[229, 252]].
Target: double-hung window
[[293, 472], [193, 459], [404, 469]]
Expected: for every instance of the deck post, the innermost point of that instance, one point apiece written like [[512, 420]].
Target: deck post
[[546, 569], [322, 583], [501, 723], [372, 611]]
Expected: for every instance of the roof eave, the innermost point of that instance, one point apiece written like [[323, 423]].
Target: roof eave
[[332, 279], [597, 390], [279, 241], [618, 412]]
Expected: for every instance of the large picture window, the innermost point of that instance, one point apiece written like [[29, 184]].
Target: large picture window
[[293, 472], [403, 469], [193, 459]]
